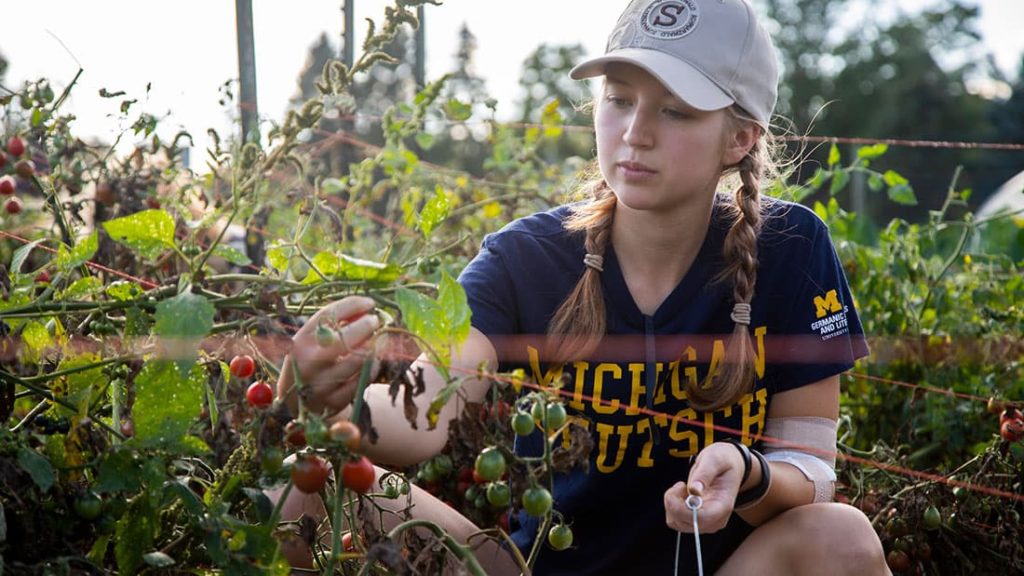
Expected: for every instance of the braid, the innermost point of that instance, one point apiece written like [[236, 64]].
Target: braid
[[579, 322], [740, 251]]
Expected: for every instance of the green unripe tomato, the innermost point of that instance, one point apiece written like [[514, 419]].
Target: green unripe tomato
[[522, 424], [499, 494], [560, 537], [490, 464], [536, 501], [443, 465], [556, 415], [931, 519], [271, 460], [88, 506], [538, 412]]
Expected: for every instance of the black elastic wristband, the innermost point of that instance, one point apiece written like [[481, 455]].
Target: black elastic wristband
[[757, 492], [745, 452]]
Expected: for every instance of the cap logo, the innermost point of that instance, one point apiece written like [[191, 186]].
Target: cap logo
[[669, 19]]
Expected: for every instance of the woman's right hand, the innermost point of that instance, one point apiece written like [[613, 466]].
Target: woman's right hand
[[329, 374]]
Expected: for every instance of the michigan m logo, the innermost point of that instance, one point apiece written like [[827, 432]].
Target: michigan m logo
[[828, 304]]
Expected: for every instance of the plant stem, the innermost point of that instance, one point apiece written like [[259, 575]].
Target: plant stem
[[461, 552]]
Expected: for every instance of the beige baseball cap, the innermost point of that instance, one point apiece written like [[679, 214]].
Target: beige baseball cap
[[709, 53]]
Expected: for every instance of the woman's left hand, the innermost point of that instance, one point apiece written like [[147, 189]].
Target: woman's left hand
[[715, 477]]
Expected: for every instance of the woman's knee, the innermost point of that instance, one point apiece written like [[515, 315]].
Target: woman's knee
[[841, 533]]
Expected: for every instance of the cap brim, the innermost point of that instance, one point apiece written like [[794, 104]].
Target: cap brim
[[682, 79]]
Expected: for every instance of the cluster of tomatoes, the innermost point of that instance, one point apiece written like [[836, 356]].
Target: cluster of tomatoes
[[1011, 421], [309, 472], [21, 167]]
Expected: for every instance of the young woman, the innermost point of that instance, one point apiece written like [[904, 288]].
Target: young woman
[[692, 326]]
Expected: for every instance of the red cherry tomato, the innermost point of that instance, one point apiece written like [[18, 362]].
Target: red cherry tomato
[[347, 433], [7, 186], [259, 395], [3, 159], [15, 146], [309, 474], [1012, 430], [243, 366], [358, 475], [25, 168], [13, 205], [43, 277], [295, 434], [128, 428]]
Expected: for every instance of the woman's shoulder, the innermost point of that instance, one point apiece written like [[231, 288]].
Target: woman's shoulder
[[544, 227], [788, 224]]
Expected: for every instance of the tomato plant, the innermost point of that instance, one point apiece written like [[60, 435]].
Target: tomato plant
[[309, 474], [347, 434], [490, 464], [242, 367], [358, 474], [259, 394], [560, 537], [536, 501], [15, 146], [88, 506]]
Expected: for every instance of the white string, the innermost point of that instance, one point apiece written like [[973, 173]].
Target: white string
[[693, 502]]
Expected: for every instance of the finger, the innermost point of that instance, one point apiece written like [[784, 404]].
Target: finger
[[677, 515], [356, 334], [345, 309]]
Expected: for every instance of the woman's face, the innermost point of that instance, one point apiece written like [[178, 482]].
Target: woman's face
[[654, 150]]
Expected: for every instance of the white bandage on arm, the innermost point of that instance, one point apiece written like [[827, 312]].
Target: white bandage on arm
[[809, 444]]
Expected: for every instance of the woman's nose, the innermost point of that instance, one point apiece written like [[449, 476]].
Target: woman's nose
[[639, 131]]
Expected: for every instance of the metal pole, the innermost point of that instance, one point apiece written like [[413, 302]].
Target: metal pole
[[350, 38], [421, 49], [246, 70]]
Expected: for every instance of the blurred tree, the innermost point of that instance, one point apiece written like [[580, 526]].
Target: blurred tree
[[545, 75], [902, 78], [460, 144]]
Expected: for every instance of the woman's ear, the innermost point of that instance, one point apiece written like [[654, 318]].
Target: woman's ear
[[742, 139]]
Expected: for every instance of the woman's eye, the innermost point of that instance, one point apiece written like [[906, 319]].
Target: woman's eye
[[674, 114], [617, 101]]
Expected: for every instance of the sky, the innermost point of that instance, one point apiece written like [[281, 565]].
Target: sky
[[187, 49]]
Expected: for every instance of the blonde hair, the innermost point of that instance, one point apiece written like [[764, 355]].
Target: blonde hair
[[579, 323]]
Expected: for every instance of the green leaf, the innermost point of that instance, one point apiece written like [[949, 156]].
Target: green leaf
[[80, 254], [36, 339], [875, 182], [119, 472], [82, 287], [261, 503], [819, 178], [135, 532], [839, 180], [166, 403], [332, 186], [182, 322], [3, 529], [903, 194], [344, 267], [434, 211], [192, 502], [77, 388], [123, 290], [833, 155], [277, 257], [457, 111], [454, 306], [872, 152], [149, 232], [21, 254], [37, 467], [424, 140], [893, 178], [232, 255]]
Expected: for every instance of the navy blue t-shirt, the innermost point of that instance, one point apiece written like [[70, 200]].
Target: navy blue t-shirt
[[629, 393]]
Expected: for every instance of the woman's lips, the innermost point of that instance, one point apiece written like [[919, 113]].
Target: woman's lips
[[635, 171]]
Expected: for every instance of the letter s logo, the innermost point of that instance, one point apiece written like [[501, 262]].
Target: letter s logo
[[671, 13]]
